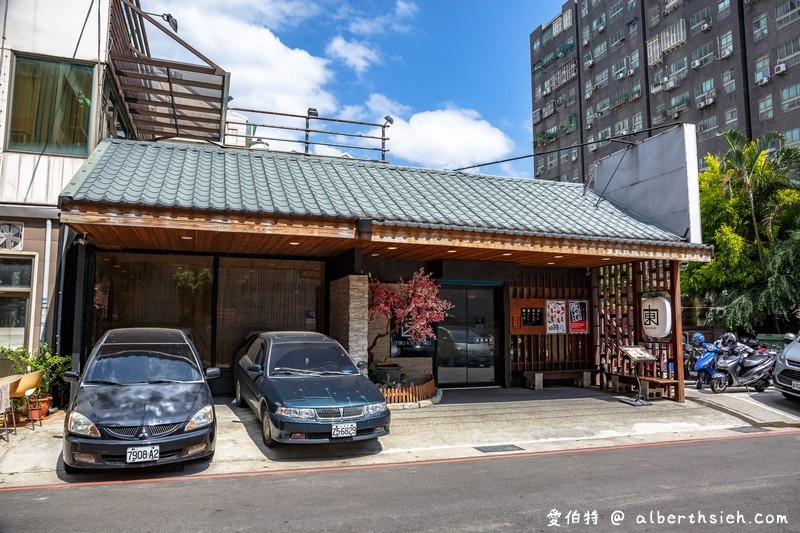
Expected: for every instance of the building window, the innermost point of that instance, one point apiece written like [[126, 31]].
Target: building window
[[789, 53], [760, 27], [564, 156], [762, 68], [539, 165], [635, 59], [792, 137], [600, 51], [552, 160], [615, 11], [765, 108], [633, 28], [576, 177], [654, 16], [697, 20], [601, 80], [584, 8], [622, 126], [726, 42], [50, 107], [787, 12], [15, 300], [790, 97], [724, 8], [729, 81], [631, 4], [731, 118], [637, 122]]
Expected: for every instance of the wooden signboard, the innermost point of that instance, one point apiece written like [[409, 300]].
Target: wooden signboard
[[638, 354], [527, 316]]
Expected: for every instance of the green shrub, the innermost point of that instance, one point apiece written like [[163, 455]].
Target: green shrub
[[54, 365]]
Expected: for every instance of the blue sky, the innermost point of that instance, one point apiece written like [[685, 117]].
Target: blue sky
[[454, 74]]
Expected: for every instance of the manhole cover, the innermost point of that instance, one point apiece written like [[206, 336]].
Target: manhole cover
[[750, 429], [500, 448]]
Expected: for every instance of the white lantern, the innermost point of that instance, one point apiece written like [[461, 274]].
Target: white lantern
[[656, 317]]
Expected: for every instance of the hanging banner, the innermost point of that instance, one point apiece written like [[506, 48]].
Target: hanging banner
[[656, 317], [579, 316], [556, 316]]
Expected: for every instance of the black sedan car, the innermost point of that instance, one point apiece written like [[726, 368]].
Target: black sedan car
[[305, 389], [142, 400]]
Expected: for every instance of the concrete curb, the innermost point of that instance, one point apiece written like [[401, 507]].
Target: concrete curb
[[417, 405]]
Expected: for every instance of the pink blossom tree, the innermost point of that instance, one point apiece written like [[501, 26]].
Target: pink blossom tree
[[414, 305]]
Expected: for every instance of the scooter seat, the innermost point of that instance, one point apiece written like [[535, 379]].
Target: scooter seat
[[755, 360]]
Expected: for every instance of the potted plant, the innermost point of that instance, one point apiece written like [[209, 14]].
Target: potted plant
[[54, 366]]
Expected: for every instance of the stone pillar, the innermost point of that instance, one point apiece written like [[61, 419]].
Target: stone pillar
[[349, 314]]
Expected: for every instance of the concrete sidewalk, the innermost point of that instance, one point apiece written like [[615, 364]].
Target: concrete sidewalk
[[466, 423]]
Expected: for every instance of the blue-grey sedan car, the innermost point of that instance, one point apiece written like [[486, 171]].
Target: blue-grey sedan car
[[305, 389], [142, 400], [787, 369]]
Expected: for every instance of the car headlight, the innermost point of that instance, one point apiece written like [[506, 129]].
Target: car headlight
[[202, 418], [80, 425], [375, 408], [295, 412], [782, 358]]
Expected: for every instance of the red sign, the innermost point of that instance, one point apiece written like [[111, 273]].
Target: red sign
[[578, 316]]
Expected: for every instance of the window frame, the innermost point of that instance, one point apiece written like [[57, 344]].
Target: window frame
[[30, 291]]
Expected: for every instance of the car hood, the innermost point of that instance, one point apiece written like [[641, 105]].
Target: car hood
[[792, 352], [141, 404], [324, 391]]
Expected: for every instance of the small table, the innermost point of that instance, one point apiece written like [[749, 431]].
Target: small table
[[5, 399]]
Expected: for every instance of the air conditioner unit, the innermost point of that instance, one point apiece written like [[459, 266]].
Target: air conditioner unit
[[675, 115], [546, 92], [586, 42], [696, 64], [701, 104], [574, 157], [622, 132], [588, 95], [780, 68], [11, 234], [671, 84], [725, 53], [601, 28], [705, 26], [590, 63], [621, 76], [710, 100], [631, 72], [588, 125], [665, 79], [593, 148], [700, 128], [763, 81], [599, 114]]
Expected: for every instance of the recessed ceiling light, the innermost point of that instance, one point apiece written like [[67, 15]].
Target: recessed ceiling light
[[391, 248], [551, 263], [186, 238], [375, 254], [606, 259], [451, 251], [294, 243], [557, 256], [507, 254]]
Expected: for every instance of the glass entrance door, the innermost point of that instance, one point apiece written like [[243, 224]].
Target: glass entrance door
[[467, 341]]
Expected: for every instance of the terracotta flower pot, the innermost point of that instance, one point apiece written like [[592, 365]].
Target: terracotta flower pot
[[11, 417], [42, 411]]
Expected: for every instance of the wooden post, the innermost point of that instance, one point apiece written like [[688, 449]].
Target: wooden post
[[677, 327]]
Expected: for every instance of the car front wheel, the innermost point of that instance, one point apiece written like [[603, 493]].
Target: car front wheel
[[239, 398], [266, 430]]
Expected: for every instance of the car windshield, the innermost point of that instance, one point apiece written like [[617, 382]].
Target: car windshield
[[310, 358], [126, 364]]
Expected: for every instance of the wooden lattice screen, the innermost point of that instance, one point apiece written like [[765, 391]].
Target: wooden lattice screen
[[555, 355], [616, 298]]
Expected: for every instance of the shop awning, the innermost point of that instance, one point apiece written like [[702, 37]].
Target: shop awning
[[177, 196]]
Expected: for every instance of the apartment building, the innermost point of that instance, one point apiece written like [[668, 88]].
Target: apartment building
[[609, 72]]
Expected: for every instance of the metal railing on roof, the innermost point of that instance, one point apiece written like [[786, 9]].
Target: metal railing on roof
[[311, 136]]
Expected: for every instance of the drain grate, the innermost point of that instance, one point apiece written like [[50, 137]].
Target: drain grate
[[750, 429], [499, 448]]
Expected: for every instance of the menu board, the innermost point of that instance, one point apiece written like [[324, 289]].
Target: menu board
[[579, 316], [556, 316]]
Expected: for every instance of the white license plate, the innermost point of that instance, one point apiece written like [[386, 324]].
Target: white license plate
[[141, 454], [343, 430], [796, 385]]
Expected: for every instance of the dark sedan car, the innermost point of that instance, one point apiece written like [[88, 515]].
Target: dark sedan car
[[142, 400], [305, 389]]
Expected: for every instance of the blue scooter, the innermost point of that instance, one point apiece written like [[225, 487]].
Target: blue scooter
[[706, 366]]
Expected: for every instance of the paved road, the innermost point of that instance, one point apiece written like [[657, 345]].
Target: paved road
[[755, 475]]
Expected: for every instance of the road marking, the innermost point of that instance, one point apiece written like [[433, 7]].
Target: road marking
[[400, 465], [768, 408]]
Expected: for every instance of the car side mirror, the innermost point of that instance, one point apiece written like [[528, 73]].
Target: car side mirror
[[70, 376], [254, 367], [789, 337], [362, 365], [212, 372]]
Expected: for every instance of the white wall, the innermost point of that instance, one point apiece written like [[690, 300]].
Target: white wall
[[657, 179]]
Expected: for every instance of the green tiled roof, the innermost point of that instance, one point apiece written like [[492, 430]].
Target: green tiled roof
[[212, 179]]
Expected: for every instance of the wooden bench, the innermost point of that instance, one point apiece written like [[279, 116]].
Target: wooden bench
[[648, 383], [582, 378]]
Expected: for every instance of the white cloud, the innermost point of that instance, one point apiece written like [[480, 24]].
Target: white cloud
[[395, 21], [381, 105], [356, 55], [448, 138]]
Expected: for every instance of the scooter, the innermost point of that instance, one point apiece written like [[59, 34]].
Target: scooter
[[705, 366], [744, 367]]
